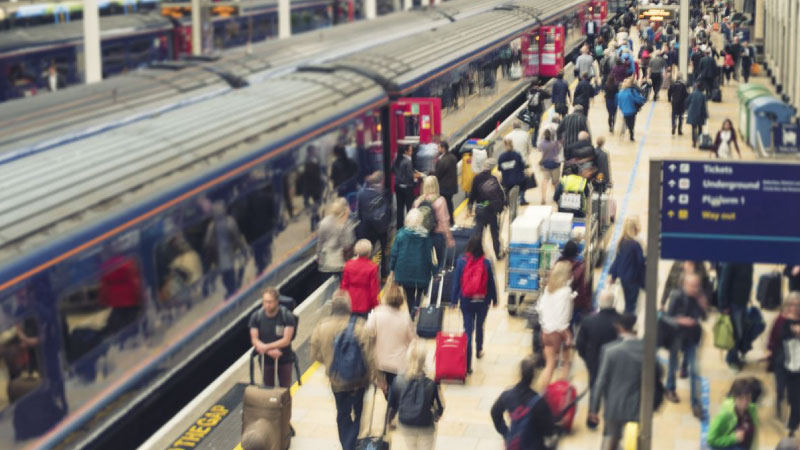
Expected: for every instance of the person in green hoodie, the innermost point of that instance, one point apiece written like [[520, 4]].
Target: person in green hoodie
[[411, 259], [735, 427]]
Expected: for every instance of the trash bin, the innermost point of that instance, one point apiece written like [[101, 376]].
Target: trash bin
[[746, 93], [764, 113]]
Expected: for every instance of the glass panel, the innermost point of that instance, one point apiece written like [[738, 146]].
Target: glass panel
[[20, 359]]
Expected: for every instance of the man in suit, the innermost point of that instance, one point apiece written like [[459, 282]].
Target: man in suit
[[619, 383]]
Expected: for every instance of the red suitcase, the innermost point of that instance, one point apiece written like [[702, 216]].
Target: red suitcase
[[451, 356], [561, 397]]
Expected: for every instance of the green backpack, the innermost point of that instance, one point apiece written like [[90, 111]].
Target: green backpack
[[724, 337]]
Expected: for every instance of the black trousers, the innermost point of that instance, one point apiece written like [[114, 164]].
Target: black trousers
[[488, 218], [697, 130], [658, 80], [405, 200], [630, 122], [746, 72], [677, 121], [793, 385], [536, 118], [448, 198]]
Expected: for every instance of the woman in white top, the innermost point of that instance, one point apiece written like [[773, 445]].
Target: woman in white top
[[726, 137], [555, 314], [394, 332], [334, 237]]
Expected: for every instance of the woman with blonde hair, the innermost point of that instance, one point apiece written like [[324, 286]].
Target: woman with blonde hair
[[555, 315], [410, 259], [628, 265], [417, 402], [435, 217], [335, 237], [395, 336]]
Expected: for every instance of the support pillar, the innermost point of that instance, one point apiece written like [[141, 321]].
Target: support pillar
[[284, 19], [93, 68], [758, 27], [683, 50], [197, 28], [407, 4], [370, 9]]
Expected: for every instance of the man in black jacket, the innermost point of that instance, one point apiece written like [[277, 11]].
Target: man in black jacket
[[735, 285], [677, 95], [707, 71], [596, 331], [490, 198], [447, 174], [572, 125], [583, 93], [520, 402]]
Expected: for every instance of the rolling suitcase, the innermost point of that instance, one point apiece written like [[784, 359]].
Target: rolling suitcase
[[768, 291], [461, 236], [561, 396], [429, 322], [272, 405], [716, 95], [373, 442], [450, 357]]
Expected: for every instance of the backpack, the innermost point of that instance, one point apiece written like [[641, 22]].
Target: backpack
[[598, 51], [375, 213], [416, 402], [520, 421], [728, 60], [724, 338], [491, 192], [474, 279], [348, 359], [535, 100], [428, 215]]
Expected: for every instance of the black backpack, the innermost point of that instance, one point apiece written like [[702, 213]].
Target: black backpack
[[348, 363], [490, 191], [428, 215], [374, 210], [415, 407]]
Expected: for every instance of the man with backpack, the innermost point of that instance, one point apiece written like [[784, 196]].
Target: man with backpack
[[374, 214], [532, 426], [536, 99], [343, 345], [489, 200], [271, 332]]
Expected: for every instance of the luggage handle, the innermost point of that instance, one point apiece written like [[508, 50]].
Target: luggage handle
[[253, 355], [372, 414], [461, 322], [444, 269]]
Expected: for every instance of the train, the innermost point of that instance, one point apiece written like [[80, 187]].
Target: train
[[137, 39], [125, 254]]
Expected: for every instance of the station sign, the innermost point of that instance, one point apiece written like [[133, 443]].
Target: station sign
[[786, 138], [730, 211], [658, 13]]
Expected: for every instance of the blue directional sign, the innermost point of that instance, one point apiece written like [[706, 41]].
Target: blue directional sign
[[730, 211]]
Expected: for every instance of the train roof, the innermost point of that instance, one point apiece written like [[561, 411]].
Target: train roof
[[40, 122], [406, 63], [24, 39], [49, 194]]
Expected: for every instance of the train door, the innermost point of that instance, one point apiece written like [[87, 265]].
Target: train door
[[599, 9], [413, 121], [530, 53], [551, 50]]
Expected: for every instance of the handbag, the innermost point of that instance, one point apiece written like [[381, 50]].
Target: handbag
[[530, 181]]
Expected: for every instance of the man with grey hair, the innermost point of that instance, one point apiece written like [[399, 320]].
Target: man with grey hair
[[489, 200], [347, 393], [596, 331]]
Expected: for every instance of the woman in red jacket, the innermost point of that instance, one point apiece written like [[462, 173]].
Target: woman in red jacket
[[360, 280]]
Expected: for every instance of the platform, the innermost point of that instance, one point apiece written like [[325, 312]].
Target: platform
[[466, 424]]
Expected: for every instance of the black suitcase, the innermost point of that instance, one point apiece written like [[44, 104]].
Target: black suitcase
[[461, 236], [768, 291], [429, 322], [373, 442], [716, 95]]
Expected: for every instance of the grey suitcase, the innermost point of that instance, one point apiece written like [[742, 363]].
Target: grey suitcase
[[272, 405]]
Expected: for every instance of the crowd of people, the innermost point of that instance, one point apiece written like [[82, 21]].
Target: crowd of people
[[392, 357]]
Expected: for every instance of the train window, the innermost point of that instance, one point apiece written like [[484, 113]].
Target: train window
[[139, 52], [101, 306], [20, 358], [179, 268], [256, 214]]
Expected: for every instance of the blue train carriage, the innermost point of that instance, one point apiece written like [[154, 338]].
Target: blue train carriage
[[140, 251], [128, 42]]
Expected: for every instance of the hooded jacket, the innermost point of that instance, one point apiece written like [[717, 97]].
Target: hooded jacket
[[722, 430], [411, 258]]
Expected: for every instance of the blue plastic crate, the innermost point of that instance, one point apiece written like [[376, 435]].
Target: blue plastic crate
[[525, 245], [525, 281], [523, 260]]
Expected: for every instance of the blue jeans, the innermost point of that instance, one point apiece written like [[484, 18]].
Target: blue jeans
[[348, 416], [737, 314], [474, 317], [690, 353], [631, 291]]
